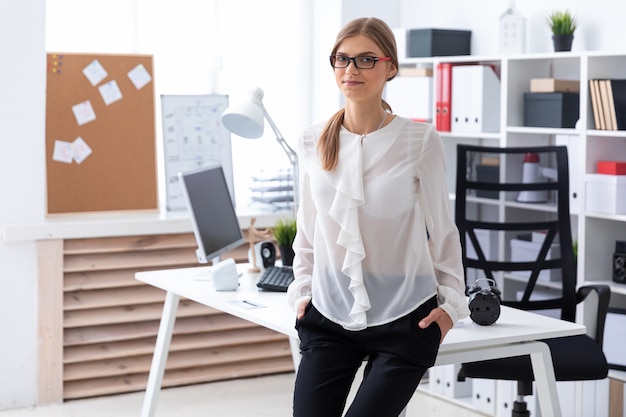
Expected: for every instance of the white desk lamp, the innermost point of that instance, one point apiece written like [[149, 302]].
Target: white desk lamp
[[246, 119]]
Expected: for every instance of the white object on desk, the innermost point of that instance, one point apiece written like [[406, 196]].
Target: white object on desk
[[516, 332], [224, 275]]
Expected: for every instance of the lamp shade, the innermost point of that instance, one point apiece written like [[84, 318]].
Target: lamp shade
[[247, 118]]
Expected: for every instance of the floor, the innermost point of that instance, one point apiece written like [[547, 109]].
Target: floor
[[268, 396]]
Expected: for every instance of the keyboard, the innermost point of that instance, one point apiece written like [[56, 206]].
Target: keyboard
[[276, 278]]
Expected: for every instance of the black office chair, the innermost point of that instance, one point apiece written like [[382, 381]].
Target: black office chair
[[491, 172]]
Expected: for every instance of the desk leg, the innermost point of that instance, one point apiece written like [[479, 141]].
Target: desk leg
[[545, 380], [161, 349], [541, 360]]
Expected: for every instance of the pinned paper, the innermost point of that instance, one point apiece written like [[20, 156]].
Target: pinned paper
[[110, 92], [84, 112], [62, 152], [80, 150], [95, 72], [67, 152], [139, 76]]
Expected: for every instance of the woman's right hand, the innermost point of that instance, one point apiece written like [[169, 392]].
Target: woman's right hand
[[301, 308]]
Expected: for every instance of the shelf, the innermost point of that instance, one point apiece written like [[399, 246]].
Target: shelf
[[617, 375], [605, 216], [271, 188], [542, 130], [607, 133], [458, 58], [595, 233], [556, 285], [478, 135], [547, 207], [483, 200]]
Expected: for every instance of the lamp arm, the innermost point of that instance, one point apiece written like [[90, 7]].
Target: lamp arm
[[293, 158], [291, 154]]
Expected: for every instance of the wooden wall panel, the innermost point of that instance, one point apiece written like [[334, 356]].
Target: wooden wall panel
[[50, 318], [175, 377], [110, 321]]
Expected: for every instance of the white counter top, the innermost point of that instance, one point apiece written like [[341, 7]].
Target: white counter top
[[131, 223]]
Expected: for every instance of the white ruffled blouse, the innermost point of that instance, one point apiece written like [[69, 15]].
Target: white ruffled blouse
[[375, 237]]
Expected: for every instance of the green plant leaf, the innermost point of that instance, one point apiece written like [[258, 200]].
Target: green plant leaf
[[284, 231], [562, 22]]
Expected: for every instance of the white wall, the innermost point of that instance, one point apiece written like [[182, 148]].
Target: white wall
[[22, 113], [22, 192]]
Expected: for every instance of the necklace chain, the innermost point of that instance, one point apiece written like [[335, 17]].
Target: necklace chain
[[382, 122]]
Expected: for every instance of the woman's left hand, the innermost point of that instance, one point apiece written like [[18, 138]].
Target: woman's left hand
[[442, 319]]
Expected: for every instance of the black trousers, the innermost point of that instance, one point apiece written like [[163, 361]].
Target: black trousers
[[397, 354]]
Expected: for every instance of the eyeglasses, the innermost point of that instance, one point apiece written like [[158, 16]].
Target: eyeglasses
[[361, 62]]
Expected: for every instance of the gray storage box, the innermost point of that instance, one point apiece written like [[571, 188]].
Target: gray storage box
[[438, 42], [551, 109], [487, 173]]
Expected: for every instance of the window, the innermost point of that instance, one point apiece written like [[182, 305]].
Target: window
[[202, 47]]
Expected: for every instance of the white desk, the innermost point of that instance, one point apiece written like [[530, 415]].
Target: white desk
[[515, 333]]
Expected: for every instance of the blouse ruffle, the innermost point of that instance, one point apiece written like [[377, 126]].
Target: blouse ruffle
[[347, 180]]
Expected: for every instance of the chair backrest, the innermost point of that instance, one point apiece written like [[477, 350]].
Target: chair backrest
[[509, 234]]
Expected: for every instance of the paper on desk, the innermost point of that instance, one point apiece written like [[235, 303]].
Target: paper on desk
[[247, 304]]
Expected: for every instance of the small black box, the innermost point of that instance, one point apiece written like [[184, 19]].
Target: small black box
[[487, 173], [551, 109], [619, 267], [437, 42]]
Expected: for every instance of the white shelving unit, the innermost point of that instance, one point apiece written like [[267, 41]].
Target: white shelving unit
[[595, 233]]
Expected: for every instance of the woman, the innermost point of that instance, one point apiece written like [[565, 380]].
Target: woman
[[378, 271]]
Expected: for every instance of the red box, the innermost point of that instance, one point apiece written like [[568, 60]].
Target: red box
[[612, 167]]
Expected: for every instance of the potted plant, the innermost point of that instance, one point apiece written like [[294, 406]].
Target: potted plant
[[284, 231], [563, 25]]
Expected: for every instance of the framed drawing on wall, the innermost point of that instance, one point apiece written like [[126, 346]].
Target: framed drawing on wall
[[193, 137]]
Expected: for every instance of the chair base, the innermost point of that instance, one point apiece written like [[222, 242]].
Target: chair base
[[520, 409]]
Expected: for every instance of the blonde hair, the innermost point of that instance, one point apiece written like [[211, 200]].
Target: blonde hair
[[382, 35]]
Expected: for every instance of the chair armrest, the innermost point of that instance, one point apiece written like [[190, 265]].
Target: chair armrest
[[596, 299]]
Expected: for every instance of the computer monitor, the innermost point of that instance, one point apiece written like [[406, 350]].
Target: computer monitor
[[210, 204]]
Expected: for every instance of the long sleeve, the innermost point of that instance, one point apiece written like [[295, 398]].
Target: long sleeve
[[300, 289], [444, 243]]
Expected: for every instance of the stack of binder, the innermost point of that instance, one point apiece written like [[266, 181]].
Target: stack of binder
[[608, 102], [475, 99], [467, 98]]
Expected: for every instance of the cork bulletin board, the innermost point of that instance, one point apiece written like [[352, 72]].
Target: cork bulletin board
[[100, 133]]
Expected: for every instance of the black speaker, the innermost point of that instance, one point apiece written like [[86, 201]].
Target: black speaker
[[484, 302], [265, 253], [619, 267]]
